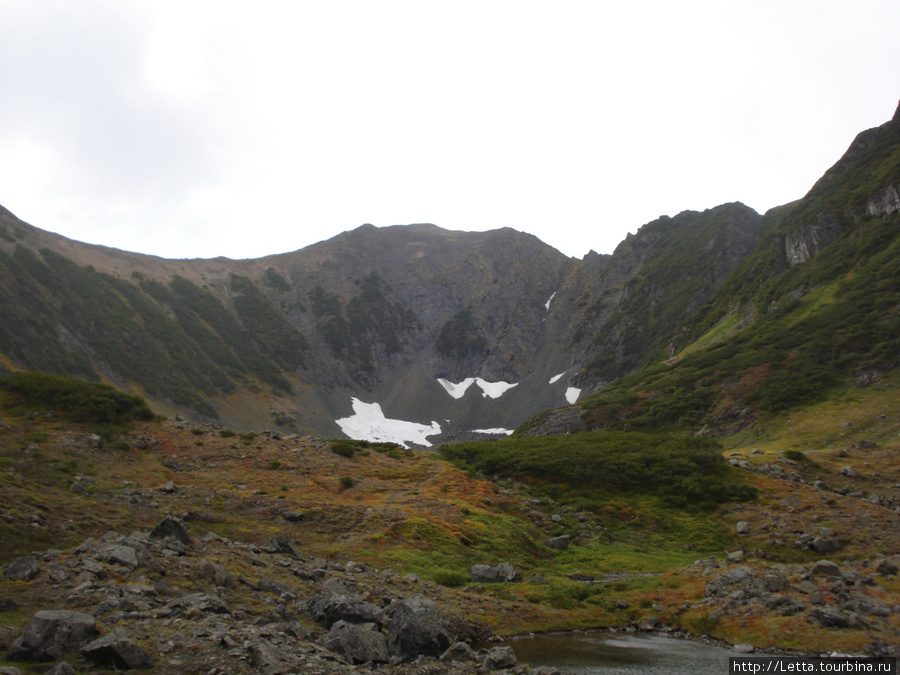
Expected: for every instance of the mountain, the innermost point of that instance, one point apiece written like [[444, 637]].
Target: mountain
[[424, 335]]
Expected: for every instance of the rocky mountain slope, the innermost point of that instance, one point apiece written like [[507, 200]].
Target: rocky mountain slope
[[424, 335]]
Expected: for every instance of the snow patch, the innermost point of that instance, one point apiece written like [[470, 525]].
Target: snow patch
[[555, 378], [456, 390], [489, 389], [504, 432], [368, 423], [572, 394], [547, 304]]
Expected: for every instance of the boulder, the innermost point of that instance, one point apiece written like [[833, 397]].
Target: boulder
[[743, 527], [279, 544], [61, 669], [172, 527], [359, 643], [887, 568], [116, 650], [560, 543], [461, 652], [266, 659], [418, 627], [24, 568], [335, 603], [824, 568], [825, 544], [494, 574], [52, 634], [499, 658], [121, 555]]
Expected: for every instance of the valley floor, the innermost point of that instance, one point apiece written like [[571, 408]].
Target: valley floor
[[810, 566]]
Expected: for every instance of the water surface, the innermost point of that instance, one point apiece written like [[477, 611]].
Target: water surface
[[627, 654]]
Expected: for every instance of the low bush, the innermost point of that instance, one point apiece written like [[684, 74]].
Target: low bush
[[89, 402]]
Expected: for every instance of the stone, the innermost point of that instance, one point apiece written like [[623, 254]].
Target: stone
[[743, 527], [461, 652], [169, 488], [116, 650], [887, 568], [824, 568], [276, 587], [829, 618], [61, 669], [294, 516], [560, 543], [335, 603], [825, 544], [53, 634], [735, 557], [418, 627], [359, 643], [621, 604], [279, 544], [494, 574], [267, 659], [172, 527], [24, 568], [122, 555], [743, 649], [500, 658]]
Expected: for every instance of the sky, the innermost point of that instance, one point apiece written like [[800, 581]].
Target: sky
[[200, 129]]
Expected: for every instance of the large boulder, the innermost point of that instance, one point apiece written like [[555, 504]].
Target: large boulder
[[24, 568], [52, 634], [116, 650], [359, 643], [500, 658], [418, 627], [494, 574], [172, 527], [335, 603]]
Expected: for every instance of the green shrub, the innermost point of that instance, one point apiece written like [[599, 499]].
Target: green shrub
[[344, 448], [89, 402], [346, 482], [450, 578]]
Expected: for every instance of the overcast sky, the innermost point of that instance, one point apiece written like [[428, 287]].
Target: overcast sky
[[197, 129]]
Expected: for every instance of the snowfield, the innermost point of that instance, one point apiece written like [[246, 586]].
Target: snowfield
[[489, 389], [499, 432], [572, 394], [555, 378], [368, 423]]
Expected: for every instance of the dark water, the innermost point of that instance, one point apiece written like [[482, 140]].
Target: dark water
[[611, 653]]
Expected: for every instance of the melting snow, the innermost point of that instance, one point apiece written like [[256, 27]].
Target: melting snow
[[505, 432], [369, 423], [490, 389], [555, 378], [547, 305], [572, 394]]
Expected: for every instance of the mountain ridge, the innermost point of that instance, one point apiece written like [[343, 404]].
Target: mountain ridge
[[382, 314]]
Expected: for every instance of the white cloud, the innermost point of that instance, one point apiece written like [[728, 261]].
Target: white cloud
[[577, 122]]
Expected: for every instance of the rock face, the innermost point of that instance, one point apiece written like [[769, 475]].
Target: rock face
[[53, 634]]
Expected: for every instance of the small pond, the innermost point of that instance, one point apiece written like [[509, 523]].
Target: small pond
[[625, 653]]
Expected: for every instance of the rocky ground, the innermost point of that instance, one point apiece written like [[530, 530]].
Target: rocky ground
[[181, 548]]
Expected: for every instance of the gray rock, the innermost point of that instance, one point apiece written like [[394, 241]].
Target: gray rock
[[499, 658], [743, 649], [61, 669], [824, 568], [887, 568], [545, 670], [10, 670], [279, 544], [743, 527], [276, 587], [169, 488], [461, 652], [359, 643], [116, 650], [418, 627], [122, 555], [494, 574], [829, 618], [24, 568], [335, 603], [560, 543], [172, 527], [825, 544], [267, 659], [735, 557], [294, 516], [52, 634]]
